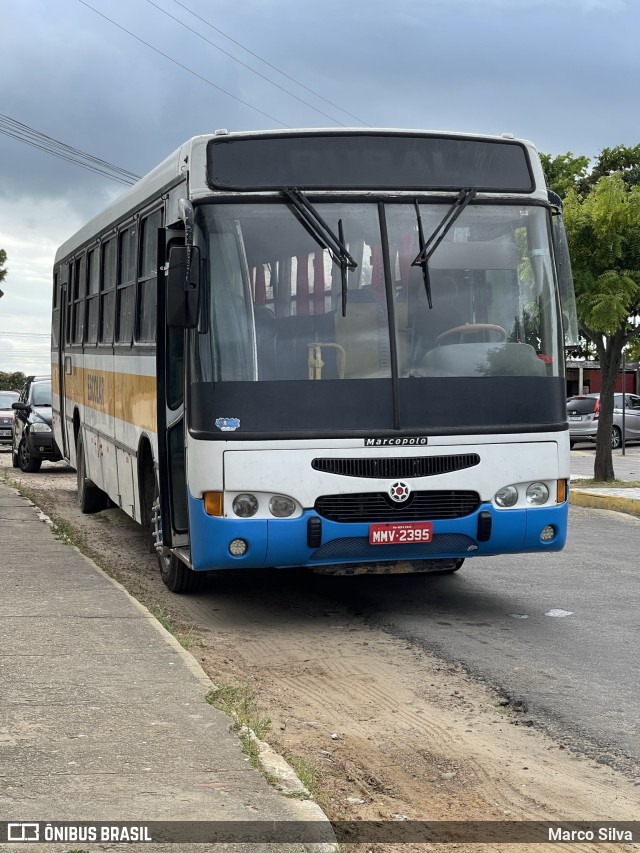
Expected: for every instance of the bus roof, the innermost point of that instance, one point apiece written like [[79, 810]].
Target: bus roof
[[189, 163]]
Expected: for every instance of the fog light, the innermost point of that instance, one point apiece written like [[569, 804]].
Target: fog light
[[537, 494], [506, 497], [238, 548], [245, 506], [281, 506], [548, 533]]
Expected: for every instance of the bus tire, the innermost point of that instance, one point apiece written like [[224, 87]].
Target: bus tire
[[26, 462], [90, 498], [175, 575], [450, 571]]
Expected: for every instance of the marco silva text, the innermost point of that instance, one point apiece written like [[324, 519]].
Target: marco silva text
[[601, 833]]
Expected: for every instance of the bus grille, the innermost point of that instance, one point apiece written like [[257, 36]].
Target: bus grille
[[397, 468], [377, 506]]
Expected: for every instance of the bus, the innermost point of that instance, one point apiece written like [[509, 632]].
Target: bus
[[337, 349]]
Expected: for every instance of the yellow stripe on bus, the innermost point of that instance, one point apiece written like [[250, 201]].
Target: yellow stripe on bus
[[128, 397]]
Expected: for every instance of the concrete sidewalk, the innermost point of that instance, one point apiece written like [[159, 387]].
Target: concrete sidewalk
[[103, 714], [622, 499]]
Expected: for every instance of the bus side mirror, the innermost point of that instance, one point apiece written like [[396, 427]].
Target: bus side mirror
[[183, 287]]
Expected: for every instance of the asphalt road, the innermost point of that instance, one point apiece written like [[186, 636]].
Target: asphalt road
[[559, 634]]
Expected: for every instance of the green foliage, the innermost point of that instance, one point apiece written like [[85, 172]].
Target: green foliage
[[3, 261], [11, 381], [564, 172], [603, 228]]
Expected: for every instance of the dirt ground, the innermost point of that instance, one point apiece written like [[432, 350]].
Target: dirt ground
[[378, 728]]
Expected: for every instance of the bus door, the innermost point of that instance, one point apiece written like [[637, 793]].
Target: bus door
[[170, 366], [60, 320]]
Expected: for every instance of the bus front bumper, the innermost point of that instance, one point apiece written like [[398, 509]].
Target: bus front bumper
[[311, 541]]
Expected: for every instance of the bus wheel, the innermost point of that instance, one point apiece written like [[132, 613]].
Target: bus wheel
[[451, 569], [26, 462], [175, 575], [90, 498]]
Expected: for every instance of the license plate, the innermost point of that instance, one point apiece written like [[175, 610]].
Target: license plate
[[575, 417], [5, 432], [400, 532]]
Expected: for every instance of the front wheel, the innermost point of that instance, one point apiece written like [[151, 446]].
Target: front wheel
[[616, 437], [26, 461], [175, 575]]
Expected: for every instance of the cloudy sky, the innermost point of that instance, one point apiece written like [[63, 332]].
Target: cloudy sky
[[128, 81]]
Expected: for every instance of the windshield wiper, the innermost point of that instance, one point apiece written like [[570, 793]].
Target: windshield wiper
[[324, 236], [428, 248]]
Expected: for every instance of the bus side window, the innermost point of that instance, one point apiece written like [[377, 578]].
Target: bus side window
[[107, 291], [148, 278], [93, 295], [126, 281]]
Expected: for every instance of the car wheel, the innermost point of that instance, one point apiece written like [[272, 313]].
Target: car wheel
[[616, 438], [90, 498], [26, 462], [175, 575]]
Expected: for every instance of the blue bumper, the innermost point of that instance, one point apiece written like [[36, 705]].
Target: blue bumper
[[284, 543]]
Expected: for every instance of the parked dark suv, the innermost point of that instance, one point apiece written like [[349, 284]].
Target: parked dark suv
[[32, 439]]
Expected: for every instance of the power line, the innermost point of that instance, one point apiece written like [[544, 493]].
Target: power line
[[184, 67], [30, 136], [27, 334], [240, 62], [266, 62]]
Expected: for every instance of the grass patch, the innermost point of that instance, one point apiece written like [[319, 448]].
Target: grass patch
[[186, 637], [239, 703], [308, 773]]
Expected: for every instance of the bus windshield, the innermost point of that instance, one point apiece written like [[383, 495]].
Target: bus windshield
[[273, 311]]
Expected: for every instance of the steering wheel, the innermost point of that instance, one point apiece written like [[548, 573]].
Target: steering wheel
[[472, 328]]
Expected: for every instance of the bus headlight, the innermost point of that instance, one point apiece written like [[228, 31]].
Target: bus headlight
[[245, 506], [281, 506], [537, 494], [507, 496]]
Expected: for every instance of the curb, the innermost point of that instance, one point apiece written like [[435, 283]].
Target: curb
[[578, 497]]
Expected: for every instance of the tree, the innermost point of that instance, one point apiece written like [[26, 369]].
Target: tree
[[11, 381], [603, 227], [3, 260], [564, 172]]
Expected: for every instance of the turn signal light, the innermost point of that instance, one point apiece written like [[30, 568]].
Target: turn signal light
[[213, 503], [562, 491]]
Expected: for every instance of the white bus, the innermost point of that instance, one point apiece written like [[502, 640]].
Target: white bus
[[339, 349]]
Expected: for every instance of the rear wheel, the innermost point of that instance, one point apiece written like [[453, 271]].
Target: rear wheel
[[26, 461], [90, 498], [616, 437]]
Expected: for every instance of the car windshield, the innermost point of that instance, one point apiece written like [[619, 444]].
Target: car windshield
[[41, 394], [7, 398]]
